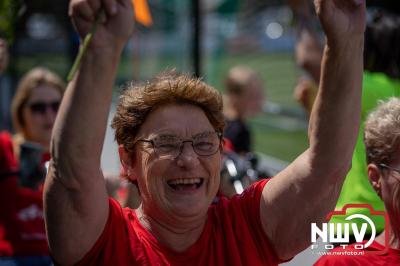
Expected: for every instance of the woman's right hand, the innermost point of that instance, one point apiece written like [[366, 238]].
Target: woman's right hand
[[343, 21], [115, 25]]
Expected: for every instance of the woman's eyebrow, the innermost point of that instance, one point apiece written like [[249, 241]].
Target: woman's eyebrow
[[206, 132], [167, 136]]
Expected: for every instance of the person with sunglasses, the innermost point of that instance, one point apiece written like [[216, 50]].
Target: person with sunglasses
[[22, 158], [382, 143], [35, 105], [169, 135]]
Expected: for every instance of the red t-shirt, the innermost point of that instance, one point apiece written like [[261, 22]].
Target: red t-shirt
[[7, 164], [22, 231], [391, 258], [232, 235]]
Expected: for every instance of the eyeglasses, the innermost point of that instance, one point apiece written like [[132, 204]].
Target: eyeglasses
[[170, 146], [41, 107], [389, 167]]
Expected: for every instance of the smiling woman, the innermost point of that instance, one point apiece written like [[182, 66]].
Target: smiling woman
[[169, 135], [163, 117], [160, 178]]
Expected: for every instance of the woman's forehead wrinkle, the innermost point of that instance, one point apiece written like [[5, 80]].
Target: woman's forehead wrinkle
[[179, 120]]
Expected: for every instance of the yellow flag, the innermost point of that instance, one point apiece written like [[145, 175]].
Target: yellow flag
[[142, 12]]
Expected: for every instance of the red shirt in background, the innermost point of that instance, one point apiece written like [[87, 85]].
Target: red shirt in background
[[22, 231], [391, 258], [232, 235]]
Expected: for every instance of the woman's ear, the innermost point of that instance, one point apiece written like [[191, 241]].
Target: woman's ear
[[375, 178], [127, 161]]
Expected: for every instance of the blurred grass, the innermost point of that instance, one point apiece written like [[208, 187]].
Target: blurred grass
[[277, 70], [57, 63], [285, 145], [279, 74]]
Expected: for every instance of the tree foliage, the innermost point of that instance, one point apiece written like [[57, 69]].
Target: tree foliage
[[10, 10]]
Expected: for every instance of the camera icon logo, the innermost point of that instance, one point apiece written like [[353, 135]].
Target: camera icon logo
[[332, 234]]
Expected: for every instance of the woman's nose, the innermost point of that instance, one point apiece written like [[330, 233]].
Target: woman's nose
[[187, 157]]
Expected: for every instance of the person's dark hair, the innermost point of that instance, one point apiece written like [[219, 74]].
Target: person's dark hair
[[137, 101], [382, 43]]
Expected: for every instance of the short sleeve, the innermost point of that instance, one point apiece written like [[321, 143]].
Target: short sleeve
[[8, 162], [248, 203], [112, 247]]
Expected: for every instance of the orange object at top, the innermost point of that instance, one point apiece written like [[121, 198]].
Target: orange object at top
[[142, 12]]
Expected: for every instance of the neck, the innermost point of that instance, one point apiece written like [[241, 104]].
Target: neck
[[394, 237], [176, 233], [231, 111]]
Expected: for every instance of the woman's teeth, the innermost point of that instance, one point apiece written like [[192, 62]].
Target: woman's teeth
[[183, 183]]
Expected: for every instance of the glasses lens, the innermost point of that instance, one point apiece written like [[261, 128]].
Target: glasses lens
[[39, 108], [55, 106], [206, 143], [167, 146]]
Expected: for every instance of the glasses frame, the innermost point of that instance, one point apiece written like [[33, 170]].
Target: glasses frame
[[382, 165], [219, 135]]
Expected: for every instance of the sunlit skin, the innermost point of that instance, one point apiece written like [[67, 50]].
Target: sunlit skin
[[179, 211], [386, 183], [37, 127]]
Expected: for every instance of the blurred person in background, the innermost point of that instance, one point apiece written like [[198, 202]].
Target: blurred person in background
[[34, 108], [381, 80], [5, 86], [308, 52], [23, 158], [244, 98], [122, 189], [382, 142]]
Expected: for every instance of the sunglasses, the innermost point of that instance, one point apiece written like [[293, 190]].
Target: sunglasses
[[41, 107]]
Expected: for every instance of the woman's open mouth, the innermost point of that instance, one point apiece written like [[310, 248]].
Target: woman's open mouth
[[182, 184]]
